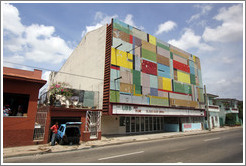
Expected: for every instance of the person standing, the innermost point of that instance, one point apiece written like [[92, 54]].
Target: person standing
[[54, 129]]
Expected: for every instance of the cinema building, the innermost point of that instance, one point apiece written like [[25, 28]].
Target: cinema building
[[144, 84]]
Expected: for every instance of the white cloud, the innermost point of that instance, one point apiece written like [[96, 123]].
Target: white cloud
[[190, 40], [11, 19], [101, 19], [204, 9], [165, 27], [37, 43], [231, 28]]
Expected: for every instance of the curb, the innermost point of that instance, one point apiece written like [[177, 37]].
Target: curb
[[118, 143]]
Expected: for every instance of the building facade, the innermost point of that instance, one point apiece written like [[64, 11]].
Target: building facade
[[214, 111], [144, 84], [228, 107], [20, 96]]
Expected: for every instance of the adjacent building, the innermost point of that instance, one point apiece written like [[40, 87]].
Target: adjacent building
[[20, 96], [214, 111], [143, 84]]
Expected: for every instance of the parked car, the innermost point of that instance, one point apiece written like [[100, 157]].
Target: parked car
[[69, 133]]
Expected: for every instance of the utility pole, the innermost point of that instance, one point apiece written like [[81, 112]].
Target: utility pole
[[206, 108]]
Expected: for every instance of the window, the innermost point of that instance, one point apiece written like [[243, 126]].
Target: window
[[122, 121], [15, 104]]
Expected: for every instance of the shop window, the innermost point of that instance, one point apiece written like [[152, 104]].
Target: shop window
[[122, 121], [15, 104]]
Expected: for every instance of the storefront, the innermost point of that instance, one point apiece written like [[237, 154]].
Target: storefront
[[130, 119]]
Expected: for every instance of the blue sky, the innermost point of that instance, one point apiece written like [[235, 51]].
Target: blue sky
[[44, 34]]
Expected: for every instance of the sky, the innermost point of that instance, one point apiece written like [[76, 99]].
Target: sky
[[43, 35]]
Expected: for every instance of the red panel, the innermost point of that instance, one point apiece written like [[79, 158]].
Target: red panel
[[131, 40], [181, 66], [115, 67], [149, 67]]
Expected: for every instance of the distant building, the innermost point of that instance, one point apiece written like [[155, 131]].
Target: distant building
[[214, 111], [20, 96], [143, 84], [227, 106]]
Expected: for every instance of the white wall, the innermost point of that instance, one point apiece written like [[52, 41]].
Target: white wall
[[110, 125], [87, 59]]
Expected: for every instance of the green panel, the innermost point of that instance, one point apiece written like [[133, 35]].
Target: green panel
[[114, 96], [171, 55], [138, 89], [136, 77], [121, 28], [148, 55], [88, 99], [182, 88], [192, 79], [187, 89], [158, 101], [162, 46]]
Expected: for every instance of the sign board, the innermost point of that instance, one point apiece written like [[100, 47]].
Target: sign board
[[140, 110]]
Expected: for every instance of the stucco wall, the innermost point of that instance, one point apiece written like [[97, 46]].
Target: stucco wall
[[110, 125], [87, 60]]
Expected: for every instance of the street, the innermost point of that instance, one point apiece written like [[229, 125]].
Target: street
[[219, 147]]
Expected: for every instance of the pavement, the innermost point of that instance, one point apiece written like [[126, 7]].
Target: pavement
[[105, 141]]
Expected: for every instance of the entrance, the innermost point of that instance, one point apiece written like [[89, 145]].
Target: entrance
[[62, 120], [143, 124]]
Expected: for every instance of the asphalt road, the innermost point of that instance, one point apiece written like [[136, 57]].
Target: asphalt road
[[220, 147]]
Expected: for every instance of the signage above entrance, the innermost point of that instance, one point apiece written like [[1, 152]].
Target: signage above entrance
[[141, 110]]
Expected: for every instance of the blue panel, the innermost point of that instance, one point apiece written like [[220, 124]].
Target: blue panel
[[163, 68], [122, 24], [153, 91], [115, 85], [191, 63], [114, 74], [192, 70], [164, 74], [163, 71]]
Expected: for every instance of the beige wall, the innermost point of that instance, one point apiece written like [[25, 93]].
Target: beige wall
[[110, 125], [87, 59]]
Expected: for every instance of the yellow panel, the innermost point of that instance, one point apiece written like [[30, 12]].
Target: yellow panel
[[121, 58], [152, 40], [167, 84], [194, 58], [183, 77]]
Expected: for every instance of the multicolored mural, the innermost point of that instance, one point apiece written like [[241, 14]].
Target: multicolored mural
[[146, 70]]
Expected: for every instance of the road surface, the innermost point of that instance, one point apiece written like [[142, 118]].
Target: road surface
[[219, 147]]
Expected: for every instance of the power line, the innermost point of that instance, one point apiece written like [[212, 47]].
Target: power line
[[52, 70]]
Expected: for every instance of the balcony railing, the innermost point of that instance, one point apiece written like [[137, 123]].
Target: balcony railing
[[213, 108], [232, 110]]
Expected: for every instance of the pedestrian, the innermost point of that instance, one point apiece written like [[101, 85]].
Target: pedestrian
[[54, 129]]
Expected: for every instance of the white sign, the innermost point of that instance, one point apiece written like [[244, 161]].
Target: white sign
[[140, 110]]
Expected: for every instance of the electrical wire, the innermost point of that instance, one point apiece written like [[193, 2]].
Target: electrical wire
[[52, 70]]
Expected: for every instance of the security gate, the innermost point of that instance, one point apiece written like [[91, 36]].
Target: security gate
[[93, 123]]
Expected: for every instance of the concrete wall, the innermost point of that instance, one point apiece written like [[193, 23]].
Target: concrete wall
[[18, 131], [87, 59], [110, 125]]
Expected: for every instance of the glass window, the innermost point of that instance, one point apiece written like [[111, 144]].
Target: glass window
[[158, 123], [146, 124], [142, 123], [127, 124], [122, 121], [154, 123], [137, 124], [133, 124], [15, 104], [150, 124]]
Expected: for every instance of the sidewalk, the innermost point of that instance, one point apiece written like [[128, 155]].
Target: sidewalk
[[105, 141]]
